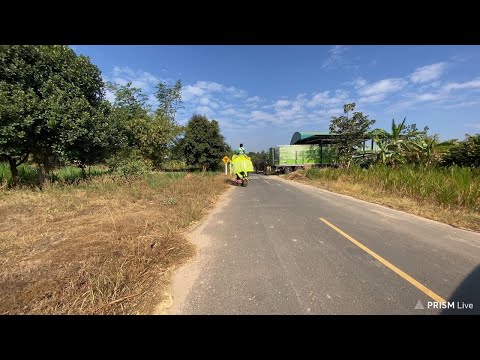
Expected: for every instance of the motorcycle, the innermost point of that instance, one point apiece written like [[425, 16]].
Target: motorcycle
[[242, 164], [242, 181]]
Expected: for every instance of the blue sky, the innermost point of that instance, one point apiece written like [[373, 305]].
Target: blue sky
[[262, 94]]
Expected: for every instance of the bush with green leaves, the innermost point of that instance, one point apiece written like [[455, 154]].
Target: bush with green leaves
[[129, 163], [464, 153]]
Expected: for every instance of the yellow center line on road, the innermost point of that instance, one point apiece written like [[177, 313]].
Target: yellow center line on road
[[388, 264]]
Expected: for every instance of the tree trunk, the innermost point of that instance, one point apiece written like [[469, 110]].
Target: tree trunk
[[204, 167], [41, 177], [13, 169], [48, 170]]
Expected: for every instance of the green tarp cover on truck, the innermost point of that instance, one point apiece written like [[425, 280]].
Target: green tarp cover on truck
[[301, 155]]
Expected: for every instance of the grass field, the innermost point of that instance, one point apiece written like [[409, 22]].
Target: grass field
[[104, 245], [28, 174], [450, 195]]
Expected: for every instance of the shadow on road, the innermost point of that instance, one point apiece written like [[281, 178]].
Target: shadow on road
[[232, 182], [468, 292]]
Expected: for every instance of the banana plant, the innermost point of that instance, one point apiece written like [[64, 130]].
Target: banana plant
[[426, 149], [392, 145], [380, 136]]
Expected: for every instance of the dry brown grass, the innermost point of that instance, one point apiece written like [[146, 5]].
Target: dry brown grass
[[104, 247], [456, 217]]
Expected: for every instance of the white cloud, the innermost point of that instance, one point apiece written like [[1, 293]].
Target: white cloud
[[372, 98], [201, 88], [229, 112], [429, 86], [460, 105], [139, 79], [236, 93], [378, 91], [358, 83], [262, 116], [254, 99], [281, 103], [441, 95], [334, 112], [473, 84], [230, 125], [428, 73], [414, 98], [204, 110], [324, 98], [384, 86], [429, 96], [474, 125], [209, 102], [210, 86], [401, 105], [189, 92], [335, 56]]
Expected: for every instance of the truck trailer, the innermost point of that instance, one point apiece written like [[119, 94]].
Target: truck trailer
[[288, 158]]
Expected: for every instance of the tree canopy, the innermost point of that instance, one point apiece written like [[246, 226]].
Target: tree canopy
[[52, 105], [203, 144], [352, 131]]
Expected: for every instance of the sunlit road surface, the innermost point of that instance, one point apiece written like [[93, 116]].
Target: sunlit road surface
[[279, 247]]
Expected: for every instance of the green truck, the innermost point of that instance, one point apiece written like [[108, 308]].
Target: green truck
[[288, 158]]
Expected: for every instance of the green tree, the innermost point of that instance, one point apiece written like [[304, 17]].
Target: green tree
[[464, 153], [203, 144], [150, 135], [16, 120], [155, 137], [351, 132], [51, 101], [169, 99], [129, 104]]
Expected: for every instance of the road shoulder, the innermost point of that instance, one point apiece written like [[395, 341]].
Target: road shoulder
[[184, 278]]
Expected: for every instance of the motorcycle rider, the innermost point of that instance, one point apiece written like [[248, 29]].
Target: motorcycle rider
[[241, 150]]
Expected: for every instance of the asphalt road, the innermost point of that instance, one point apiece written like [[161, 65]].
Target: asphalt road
[[279, 247]]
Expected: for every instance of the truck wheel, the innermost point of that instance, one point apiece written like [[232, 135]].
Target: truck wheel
[[287, 170]]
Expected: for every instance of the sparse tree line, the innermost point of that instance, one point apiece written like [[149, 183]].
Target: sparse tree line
[[401, 145], [54, 111]]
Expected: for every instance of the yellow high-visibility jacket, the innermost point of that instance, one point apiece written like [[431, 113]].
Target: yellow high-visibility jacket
[[242, 163]]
